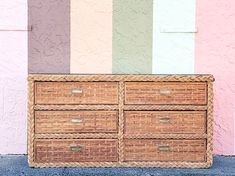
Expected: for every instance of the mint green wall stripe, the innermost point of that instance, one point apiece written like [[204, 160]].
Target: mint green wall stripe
[[132, 36]]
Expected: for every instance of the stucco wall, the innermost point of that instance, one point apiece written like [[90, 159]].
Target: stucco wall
[[49, 40], [173, 36], [132, 36], [13, 74], [91, 36], [214, 53]]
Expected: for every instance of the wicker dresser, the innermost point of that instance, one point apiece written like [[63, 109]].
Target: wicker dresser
[[120, 120]]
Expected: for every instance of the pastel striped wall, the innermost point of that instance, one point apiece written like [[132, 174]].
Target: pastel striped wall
[[49, 40], [90, 36], [215, 54], [173, 36], [132, 36], [13, 76], [112, 36]]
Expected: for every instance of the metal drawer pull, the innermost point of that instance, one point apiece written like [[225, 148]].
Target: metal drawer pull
[[76, 120], [164, 119], [163, 147], [76, 148], [76, 91], [165, 91]]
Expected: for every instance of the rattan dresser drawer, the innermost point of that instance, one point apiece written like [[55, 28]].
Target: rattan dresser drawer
[[164, 150], [165, 122], [76, 122], [76, 93], [75, 150], [166, 93]]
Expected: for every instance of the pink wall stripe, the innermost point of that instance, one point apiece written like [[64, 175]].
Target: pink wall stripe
[[13, 77], [215, 53], [91, 36]]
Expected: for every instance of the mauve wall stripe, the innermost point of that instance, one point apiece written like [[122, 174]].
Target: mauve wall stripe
[[49, 40], [132, 36]]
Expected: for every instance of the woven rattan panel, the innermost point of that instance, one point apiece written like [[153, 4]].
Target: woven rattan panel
[[76, 93], [120, 120], [76, 121], [164, 150], [165, 93], [83, 150], [163, 122]]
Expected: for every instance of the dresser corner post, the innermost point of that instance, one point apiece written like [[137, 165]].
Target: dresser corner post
[[30, 119], [210, 124]]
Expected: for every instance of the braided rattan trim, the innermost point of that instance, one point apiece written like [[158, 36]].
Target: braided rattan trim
[[115, 136], [30, 121], [77, 136], [116, 107], [127, 164], [164, 78], [210, 124], [165, 136], [121, 123], [165, 107], [76, 107]]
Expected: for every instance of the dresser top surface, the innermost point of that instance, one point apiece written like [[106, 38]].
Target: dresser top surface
[[122, 77]]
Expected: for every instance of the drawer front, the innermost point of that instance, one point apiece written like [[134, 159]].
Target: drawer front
[[76, 121], [72, 150], [165, 150], [165, 93], [165, 122], [76, 93]]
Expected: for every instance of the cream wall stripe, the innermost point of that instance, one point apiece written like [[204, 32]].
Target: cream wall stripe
[[173, 36], [91, 36]]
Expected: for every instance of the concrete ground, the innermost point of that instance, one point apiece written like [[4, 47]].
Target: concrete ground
[[16, 165]]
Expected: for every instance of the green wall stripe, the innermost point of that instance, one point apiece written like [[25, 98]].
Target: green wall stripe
[[132, 36]]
